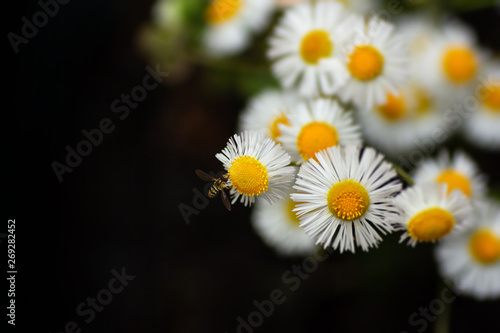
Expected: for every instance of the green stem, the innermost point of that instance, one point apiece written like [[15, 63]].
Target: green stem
[[404, 175], [442, 324]]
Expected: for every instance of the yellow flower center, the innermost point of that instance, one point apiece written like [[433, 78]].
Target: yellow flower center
[[431, 224], [348, 200], [248, 176], [365, 63], [485, 247], [492, 97], [460, 64], [293, 217], [394, 108], [316, 45], [274, 128], [219, 11], [455, 181], [314, 137]]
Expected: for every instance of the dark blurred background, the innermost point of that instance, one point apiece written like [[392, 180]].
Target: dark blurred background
[[119, 208]]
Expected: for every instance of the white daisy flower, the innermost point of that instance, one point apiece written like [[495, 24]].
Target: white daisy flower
[[452, 62], [482, 127], [344, 197], [427, 213], [231, 22], [256, 166], [459, 172], [278, 226], [305, 47], [471, 258], [399, 124], [267, 110], [377, 61], [317, 125]]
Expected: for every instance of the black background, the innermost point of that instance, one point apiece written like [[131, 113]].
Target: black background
[[120, 207]]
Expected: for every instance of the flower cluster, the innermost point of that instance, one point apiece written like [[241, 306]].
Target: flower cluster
[[355, 92]]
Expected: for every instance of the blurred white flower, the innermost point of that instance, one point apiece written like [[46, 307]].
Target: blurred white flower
[[427, 213], [406, 118], [278, 226], [230, 24], [482, 128], [451, 62], [267, 110], [316, 125], [471, 258], [459, 172]]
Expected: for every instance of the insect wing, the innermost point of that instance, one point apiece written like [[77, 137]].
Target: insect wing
[[225, 199], [204, 176]]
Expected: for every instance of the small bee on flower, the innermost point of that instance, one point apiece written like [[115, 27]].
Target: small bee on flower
[[256, 167]]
